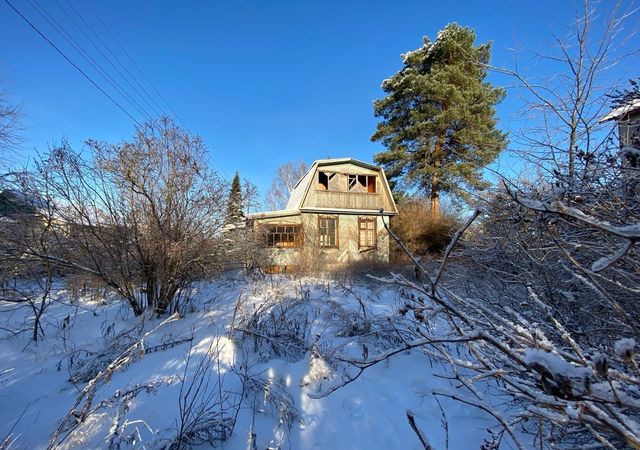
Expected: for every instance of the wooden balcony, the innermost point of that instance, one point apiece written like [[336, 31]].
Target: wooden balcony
[[348, 200]]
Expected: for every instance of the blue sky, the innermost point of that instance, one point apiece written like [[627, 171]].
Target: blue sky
[[263, 82]]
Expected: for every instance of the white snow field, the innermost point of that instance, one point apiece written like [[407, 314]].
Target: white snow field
[[137, 405]]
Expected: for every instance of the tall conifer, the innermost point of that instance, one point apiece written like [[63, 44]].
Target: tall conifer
[[438, 118], [234, 215]]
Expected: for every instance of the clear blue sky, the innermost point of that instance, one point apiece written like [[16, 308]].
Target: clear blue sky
[[263, 82]]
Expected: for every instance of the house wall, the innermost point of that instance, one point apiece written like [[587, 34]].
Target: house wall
[[282, 256], [629, 129], [310, 254], [348, 250]]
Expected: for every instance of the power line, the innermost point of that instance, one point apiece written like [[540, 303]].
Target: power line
[[71, 62], [134, 64], [97, 66], [157, 109], [87, 57]]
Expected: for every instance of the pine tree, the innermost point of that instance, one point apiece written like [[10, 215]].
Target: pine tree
[[234, 215], [438, 118]]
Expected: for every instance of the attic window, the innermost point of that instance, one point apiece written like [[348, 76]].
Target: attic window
[[362, 183], [327, 181]]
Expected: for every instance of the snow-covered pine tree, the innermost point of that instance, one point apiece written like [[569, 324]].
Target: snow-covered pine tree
[[438, 118]]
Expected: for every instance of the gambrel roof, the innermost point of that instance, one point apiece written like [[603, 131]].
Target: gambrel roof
[[301, 190]]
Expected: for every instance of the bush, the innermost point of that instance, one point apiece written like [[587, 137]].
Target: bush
[[422, 231]]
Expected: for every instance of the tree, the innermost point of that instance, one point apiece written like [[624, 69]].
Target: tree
[[287, 176], [234, 215], [10, 137], [564, 106], [438, 118], [9, 115], [250, 196], [141, 216]]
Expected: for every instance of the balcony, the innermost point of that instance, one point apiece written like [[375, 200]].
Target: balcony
[[348, 200]]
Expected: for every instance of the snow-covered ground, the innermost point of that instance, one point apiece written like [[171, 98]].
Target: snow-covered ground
[[138, 405]]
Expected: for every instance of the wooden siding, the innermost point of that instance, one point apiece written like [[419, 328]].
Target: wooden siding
[[348, 200], [340, 197]]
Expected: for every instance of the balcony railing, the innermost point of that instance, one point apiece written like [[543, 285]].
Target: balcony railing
[[348, 200]]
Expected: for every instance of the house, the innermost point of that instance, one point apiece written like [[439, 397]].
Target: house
[[335, 215], [628, 118]]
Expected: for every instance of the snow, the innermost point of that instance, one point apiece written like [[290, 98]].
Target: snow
[[625, 348], [138, 405], [633, 105], [630, 152], [555, 364]]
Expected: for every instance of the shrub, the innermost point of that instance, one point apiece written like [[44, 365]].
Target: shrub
[[422, 231]]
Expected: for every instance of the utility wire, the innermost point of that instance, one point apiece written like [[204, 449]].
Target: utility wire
[[71, 62], [157, 109], [124, 51], [97, 66], [135, 65], [87, 57]]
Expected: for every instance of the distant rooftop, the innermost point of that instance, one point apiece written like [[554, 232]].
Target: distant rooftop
[[633, 105]]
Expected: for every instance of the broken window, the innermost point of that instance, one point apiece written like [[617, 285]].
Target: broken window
[[328, 226], [367, 236], [361, 183], [328, 181], [323, 181], [283, 235]]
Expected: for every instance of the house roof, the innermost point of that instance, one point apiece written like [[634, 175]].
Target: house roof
[[633, 105], [299, 192], [302, 186], [274, 214]]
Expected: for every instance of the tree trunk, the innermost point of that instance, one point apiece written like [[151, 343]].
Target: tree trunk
[[436, 157], [435, 195]]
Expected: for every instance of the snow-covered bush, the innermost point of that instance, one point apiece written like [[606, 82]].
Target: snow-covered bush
[[277, 327]]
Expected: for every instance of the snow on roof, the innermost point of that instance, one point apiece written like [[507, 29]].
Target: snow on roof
[[633, 105], [272, 214]]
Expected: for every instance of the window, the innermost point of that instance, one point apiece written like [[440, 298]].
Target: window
[[367, 236], [328, 227], [361, 183], [283, 236], [629, 133], [328, 181]]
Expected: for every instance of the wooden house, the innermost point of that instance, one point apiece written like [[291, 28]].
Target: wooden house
[[627, 117], [334, 216]]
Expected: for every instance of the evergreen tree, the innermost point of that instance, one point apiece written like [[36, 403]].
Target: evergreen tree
[[438, 118], [234, 215]]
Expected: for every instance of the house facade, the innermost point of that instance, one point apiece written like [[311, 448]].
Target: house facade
[[336, 214]]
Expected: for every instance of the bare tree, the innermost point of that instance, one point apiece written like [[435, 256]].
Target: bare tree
[[142, 216], [563, 108], [287, 176], [10, 137], [26, 280], [9, 124], [250, 197]]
